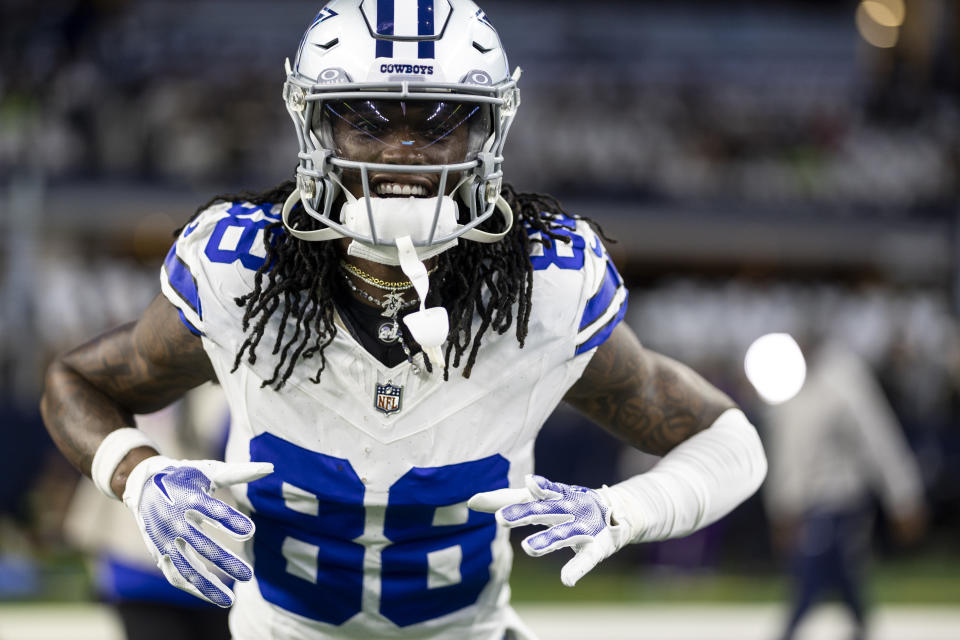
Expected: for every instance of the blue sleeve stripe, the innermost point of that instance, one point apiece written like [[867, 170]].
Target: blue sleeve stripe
[[601, 300], [182, 281], [189, 325], [604, 332]]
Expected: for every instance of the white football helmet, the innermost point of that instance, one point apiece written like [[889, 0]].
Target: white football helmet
[[366, 62]]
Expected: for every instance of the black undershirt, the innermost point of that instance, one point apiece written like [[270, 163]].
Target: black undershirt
[[365, 322]]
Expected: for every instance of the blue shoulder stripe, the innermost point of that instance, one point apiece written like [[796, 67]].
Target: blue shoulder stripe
[[189, 324], [604, 332], [182, 280], [598, 304]]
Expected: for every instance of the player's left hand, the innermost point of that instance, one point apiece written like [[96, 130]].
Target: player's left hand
[[576, 517]]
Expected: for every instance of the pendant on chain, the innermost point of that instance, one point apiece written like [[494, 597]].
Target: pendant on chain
[[392, 303]]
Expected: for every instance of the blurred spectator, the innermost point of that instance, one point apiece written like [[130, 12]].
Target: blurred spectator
[[771, 116], [831, 448]]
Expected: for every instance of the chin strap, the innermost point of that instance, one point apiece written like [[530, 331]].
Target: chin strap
[[318, 235], [485, 237], [429, 327]]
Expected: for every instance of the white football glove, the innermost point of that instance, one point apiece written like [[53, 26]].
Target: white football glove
[[170, 498], [577, 517]]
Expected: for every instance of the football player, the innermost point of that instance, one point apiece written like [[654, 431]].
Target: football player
[[392, 329]]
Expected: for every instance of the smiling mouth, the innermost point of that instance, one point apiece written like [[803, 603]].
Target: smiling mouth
[[403, 186], [401, 190]]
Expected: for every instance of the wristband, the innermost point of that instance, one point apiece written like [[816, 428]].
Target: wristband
[[111, 453]]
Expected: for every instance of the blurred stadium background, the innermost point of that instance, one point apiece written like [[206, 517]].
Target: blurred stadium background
[[765, 165]]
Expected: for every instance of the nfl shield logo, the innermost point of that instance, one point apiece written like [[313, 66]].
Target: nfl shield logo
[[388, 398]]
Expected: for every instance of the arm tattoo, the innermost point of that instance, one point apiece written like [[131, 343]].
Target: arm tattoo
[[135, 369], [644, 398]]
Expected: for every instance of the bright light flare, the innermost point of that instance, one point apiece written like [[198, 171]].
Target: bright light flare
[[879, 22], [888, 13], [775, 367]]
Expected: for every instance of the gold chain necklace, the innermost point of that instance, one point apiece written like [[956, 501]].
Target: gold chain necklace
[[392, 304], [373, 281]]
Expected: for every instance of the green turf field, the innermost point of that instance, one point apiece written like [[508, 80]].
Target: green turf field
[[926, 579]]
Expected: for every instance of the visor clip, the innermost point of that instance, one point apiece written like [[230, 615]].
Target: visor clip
[[307, 187], [295, 98], [492, 191], [511, 102]]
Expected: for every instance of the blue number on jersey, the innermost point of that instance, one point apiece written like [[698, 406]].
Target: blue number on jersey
[[418, 532], [317, 532], [565, 255], [426, 540], [249, 230]]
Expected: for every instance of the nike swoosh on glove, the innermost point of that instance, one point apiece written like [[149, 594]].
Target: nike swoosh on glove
[[170, 499], [576, 517]]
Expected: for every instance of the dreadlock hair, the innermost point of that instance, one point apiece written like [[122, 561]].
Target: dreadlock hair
[[299, 279]]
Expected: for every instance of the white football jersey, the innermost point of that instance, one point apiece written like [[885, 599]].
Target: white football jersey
[[362, 531]]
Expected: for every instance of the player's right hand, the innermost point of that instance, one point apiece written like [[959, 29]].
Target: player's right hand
[[170, 499]]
